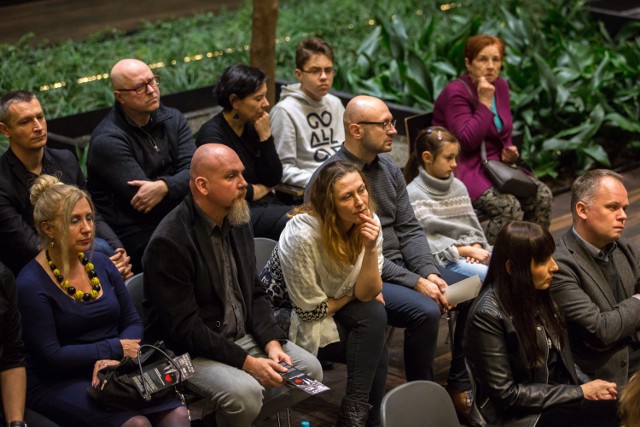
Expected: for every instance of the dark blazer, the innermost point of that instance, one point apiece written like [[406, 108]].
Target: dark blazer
[[599, 328], [185, 304], [20, 242], [507, 391]]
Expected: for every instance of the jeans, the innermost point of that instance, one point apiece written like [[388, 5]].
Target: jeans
[[420, 316], [237, 397], [468, 268], [102, 246], [361, 325]]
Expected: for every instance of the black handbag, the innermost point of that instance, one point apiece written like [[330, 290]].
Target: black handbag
[[506, 178], [128, 385]]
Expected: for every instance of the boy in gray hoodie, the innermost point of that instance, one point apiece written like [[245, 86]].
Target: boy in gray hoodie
[[307, 122]]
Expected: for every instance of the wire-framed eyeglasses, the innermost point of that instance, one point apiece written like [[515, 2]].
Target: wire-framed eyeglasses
[[386, 126]]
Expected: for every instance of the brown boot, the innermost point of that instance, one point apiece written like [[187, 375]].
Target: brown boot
[[462, 402]]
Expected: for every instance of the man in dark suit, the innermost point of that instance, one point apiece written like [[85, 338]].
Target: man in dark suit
[[598, 284], [200, 280]]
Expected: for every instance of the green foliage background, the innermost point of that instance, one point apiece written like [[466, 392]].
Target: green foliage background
[[575, 90]]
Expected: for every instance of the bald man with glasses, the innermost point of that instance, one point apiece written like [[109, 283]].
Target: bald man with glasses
[[413, 286], [139, 158]]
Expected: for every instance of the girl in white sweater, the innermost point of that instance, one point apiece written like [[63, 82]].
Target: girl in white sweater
[[442, 204]]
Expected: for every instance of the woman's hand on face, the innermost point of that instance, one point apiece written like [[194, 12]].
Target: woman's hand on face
[[510, 154], [599, 390], [369, 229], [130, 347], [263, 127], [100, 364], [485, 91]]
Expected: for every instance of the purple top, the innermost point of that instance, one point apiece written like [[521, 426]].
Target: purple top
[[472, 122]]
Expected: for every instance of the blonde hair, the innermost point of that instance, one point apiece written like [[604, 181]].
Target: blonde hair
[[54, 200], [628, 406], [343, 248]]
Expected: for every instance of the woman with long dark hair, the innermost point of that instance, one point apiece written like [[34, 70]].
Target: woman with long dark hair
[[516, 345]]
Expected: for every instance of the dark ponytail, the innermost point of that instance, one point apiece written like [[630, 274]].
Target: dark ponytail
[[431, 139]]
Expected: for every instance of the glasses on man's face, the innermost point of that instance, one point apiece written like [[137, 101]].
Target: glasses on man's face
[[317, 71], [386, 126], [142, 87]]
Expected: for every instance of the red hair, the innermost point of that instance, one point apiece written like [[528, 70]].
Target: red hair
[[476, 43]]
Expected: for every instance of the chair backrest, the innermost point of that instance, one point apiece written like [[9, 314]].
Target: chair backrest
[[413, 125], [264, 247], [136, 291], [418, 404]]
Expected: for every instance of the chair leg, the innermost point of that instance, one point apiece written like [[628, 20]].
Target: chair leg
[[288, 418]]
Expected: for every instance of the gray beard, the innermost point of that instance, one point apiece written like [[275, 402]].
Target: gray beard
[[239, 213]]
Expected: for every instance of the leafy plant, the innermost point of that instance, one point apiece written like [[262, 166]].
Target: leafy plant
[[575, 91]]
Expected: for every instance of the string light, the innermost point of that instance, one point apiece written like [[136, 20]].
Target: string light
[[218, 53]]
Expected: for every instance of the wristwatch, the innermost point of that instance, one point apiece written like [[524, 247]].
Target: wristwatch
[[17, 424]]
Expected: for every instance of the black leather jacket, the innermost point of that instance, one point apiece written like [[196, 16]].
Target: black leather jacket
[[507, 392]]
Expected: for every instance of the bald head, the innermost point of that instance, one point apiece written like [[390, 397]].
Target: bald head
[[216, 182], [366, 127], [209, 157], [136, 89], [125, 70], [362, 108]]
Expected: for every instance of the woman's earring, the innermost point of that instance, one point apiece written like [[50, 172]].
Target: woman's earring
[[236, 116], [52, 244]]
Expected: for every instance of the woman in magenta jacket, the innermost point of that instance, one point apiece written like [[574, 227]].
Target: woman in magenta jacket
[[476, 108]]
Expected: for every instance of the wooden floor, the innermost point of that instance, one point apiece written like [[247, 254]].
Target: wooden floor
[[322, 410]]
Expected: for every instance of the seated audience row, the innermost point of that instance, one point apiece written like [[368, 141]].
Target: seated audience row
[[193, 208]]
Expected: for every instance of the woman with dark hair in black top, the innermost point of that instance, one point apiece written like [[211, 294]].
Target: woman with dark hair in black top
[[516, 345], [244, 126]]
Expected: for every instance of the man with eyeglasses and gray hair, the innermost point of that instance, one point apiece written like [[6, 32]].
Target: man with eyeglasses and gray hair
[[139, 158], [307, 122]]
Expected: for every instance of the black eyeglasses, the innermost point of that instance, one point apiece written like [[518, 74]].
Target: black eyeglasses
[[317, 71], [385, 125], [142, 87]]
